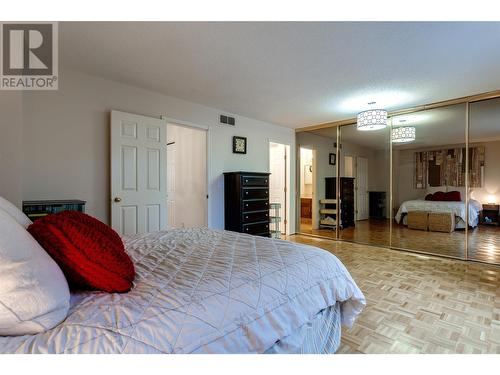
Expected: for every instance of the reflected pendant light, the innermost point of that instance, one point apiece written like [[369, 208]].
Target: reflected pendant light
[[372, 119], [403, 134]]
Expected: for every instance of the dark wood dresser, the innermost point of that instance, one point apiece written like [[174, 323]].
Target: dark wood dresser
[[346, 198], [246, 202]]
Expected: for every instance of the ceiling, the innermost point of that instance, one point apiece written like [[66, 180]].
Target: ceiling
[[291, 73], [435, 127]]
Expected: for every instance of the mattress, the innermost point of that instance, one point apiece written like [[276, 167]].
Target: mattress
[[206, 291]]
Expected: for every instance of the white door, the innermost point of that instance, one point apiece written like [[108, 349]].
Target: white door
[[171, 147], [362, 188], [186, 176], [138, 166], [277, 180]]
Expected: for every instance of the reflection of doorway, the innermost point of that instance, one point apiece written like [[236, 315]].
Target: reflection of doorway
[[307, 179], [186, 176], [279, 166], [361, 188]]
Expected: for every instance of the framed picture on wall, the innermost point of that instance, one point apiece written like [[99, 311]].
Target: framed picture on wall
[[333, 159], [239, 145]]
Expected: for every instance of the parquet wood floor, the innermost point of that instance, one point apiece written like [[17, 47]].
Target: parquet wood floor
[[484, 241], [418, 303]]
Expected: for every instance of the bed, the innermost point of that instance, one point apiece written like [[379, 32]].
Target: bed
[[206, 291], [457, 208]]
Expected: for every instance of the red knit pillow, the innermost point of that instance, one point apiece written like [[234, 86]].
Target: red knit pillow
[[453, 196], [90, 253], [438, 196]]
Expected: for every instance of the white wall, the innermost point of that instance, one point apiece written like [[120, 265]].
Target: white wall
[[11, 151], [66, 141]]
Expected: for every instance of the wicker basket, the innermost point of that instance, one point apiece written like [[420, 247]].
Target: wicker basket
[[441, 222], [418, 220]]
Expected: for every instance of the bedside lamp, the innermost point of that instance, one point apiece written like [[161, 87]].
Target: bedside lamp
[[492, 199]]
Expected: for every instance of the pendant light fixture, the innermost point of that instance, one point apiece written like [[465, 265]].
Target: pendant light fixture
[[403, 134], [372, 119]]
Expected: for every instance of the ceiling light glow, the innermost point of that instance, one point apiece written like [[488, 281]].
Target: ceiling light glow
[[403, 134]]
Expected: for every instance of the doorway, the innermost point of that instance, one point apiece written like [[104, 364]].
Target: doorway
[[186, 176], [361, 188], [279, 167], [307, 190]]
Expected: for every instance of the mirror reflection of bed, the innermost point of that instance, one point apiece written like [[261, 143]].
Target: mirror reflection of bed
[[429, 212], [429, 193]]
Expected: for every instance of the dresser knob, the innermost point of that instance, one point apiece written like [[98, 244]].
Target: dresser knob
[[246, 192], [266, 180], [246, 205], [246, 217], [246, 180]]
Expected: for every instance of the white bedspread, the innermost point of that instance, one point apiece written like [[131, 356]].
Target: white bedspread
[[203, 291], [457, 208]]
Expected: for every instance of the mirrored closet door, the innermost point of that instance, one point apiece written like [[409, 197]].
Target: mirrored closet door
[[484, 181], [429, 181], [364, 185], [319, 210]]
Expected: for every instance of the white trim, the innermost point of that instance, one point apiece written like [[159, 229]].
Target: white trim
[[184, 123], [289, 179]]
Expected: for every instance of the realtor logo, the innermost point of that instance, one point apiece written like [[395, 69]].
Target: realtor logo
[[29, 56]]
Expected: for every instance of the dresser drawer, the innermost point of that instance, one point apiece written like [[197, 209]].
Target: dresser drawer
[[255, 193], [255, 205], [255, 180], [260, 228], [252, 217]]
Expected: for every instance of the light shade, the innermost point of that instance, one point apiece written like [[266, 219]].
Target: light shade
[[403, 134], [373, 119]]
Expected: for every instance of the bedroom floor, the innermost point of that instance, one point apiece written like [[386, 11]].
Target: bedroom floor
[[418, 303], [484, 241]]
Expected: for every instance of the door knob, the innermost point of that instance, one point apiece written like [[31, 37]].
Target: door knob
[[117, 199]]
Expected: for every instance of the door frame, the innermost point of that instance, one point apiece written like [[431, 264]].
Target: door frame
[[188, 124], [356, 185], [288, 175], [298, 185]]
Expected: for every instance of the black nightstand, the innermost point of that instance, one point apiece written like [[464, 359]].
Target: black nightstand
[[37, 209], [489, 211]]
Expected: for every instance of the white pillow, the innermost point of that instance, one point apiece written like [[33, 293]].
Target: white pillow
[[435, 189], [34, 294], [15, 212]]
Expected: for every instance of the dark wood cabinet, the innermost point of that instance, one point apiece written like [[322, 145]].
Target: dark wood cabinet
[[38, 209], [246, 202], [377, 204], [489, 215], [306, 208], [346, 198]]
